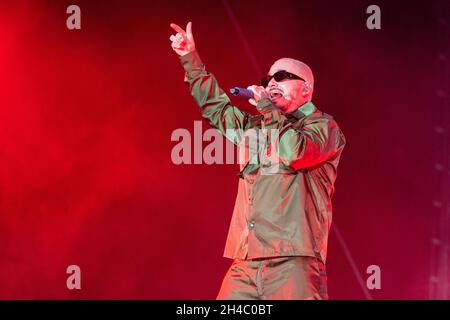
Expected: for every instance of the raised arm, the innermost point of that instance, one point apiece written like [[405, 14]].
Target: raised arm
[[213, 102]]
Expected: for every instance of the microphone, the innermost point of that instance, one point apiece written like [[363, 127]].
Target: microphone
[[241, 92]]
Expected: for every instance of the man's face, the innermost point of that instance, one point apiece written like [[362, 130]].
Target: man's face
[[289, 94]]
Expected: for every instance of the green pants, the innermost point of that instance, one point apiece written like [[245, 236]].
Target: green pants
[[280, 278]]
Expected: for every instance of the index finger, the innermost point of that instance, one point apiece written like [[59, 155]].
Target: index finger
[[252, 88], [177, 28]]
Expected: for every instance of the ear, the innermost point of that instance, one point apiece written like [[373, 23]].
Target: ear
[[306, 88]]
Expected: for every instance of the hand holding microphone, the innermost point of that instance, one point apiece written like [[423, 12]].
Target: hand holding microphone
[[254, 93]]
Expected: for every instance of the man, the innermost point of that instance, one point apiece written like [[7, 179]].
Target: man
[[279, 229]]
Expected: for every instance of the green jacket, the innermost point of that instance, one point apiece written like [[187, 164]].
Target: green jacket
[[286, 212]]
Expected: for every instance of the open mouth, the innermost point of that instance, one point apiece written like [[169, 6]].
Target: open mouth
[[275, 94]]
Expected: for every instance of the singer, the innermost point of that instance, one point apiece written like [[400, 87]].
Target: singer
[[279, 229]]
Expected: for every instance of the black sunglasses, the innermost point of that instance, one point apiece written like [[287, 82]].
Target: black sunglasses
[[279, 76]]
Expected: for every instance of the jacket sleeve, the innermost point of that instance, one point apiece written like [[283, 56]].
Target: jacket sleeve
[[214, 104], [316, 141]]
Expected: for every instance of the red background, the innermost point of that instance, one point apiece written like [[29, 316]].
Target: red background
[[86, 117]]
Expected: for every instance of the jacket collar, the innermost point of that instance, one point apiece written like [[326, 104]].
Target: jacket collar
[[303, 111]]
